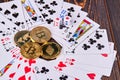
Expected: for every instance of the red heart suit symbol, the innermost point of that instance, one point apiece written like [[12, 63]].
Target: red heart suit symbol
[[91, 75], [61, 64], [22, 78], [27, 69], [12, 75], [104, 54]]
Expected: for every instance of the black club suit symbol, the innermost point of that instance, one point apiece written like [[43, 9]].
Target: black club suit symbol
[[41, 2], [51, 12], [92, 41], [44, 70], [85, 46], [97, 35], [71, 9], [49, 21], [44, 15], [54, 3], [99, 46], [46, 7], [63, 77], [71, 39]]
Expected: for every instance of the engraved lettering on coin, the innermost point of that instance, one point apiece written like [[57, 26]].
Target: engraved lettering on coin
[[40, 34]]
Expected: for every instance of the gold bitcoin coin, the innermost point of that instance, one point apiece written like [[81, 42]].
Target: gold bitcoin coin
[[22, 37], [40, 34], [51, 50], [31, 50]]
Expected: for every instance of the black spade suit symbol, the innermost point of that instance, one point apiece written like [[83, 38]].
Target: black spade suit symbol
[[0, 9], [34, 18], [13, 6], [7, 12], [17, 23], [15, 15]]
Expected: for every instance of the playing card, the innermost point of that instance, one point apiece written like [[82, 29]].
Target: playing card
[[7, 30], [42, 72], [69, 15], [90, 62], [82, 30], [11, 72], [13, 11], [49, 9], [79, 33], [106, 70], [25, 72], [96, 43], [32, 14], [61, 65]]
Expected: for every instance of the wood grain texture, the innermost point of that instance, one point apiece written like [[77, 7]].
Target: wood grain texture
[[107, 14]]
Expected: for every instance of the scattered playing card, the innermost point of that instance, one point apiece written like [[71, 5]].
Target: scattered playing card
[[12, 10], [49, 9], [95, 43], [64, 66], [32, 14], [69, 15]]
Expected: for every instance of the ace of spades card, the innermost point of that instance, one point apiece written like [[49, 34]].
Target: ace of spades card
[[13, 11]]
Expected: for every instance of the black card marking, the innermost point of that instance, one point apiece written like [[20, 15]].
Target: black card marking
[[71, 40], [71, 9], [78, 15], [46, 7], [7, 12], [99, 46], [44, 70], [85, 46], [3, 22], [51, 12], [49, 21], [97, 35], [15, 15], [17, 23], [54, 3], [44, 15], [91, 41], [69, 14], [0, 9], [41, 2], [63, 77], [34, 18], [40, 9], [13, 6], [10, 19]]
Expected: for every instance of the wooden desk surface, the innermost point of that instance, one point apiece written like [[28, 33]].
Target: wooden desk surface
[[107, 14]]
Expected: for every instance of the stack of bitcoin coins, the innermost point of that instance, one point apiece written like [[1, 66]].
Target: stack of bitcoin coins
[[35, 43]]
